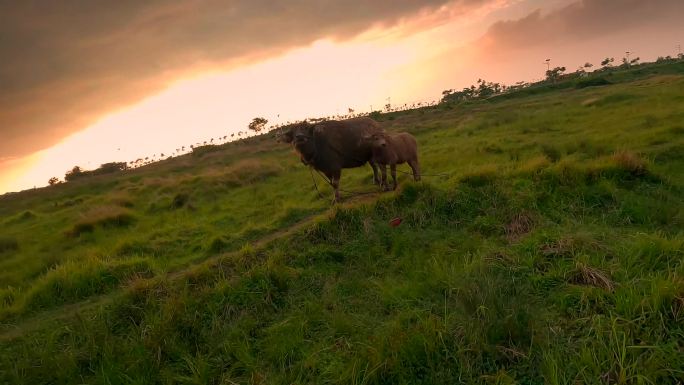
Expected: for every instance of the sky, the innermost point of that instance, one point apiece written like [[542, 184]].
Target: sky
[[85, 82]]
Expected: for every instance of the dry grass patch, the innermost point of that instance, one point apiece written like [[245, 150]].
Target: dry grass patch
[[630, 162], [521, 224], [589, 276], [534, 165]]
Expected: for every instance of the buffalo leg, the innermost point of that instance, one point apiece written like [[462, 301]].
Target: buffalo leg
[[376, 178], [335, 182], [416, 169], [393, 168], [383, 183]]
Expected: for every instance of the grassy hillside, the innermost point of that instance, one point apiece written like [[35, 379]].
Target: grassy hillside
[[550, 252]]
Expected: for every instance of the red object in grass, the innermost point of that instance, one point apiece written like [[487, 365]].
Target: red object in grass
[[394, 222]]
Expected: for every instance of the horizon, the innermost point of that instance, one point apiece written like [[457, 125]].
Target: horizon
[[80, 109]]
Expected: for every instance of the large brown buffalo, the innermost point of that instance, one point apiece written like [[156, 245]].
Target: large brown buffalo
[[330, 146]]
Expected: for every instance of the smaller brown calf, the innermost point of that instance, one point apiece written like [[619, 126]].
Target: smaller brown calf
[[393, 149]]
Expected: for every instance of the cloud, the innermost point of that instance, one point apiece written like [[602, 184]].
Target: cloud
[[66, 63], [584, 20], [577, 32]]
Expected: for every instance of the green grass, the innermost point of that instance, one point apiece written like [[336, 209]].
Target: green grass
[[550, 252]]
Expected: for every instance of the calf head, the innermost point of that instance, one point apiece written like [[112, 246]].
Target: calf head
[[376, 140]]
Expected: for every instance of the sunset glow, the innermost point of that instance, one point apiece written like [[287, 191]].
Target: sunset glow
[[412, 59]]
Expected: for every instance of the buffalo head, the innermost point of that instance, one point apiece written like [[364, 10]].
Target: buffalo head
[[297, 133]]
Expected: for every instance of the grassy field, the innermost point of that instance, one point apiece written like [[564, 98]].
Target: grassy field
[[550, 252]]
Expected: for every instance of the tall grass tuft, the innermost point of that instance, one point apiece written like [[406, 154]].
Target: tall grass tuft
[[73, 281], [104, 216], [586, 275], [630, 162]]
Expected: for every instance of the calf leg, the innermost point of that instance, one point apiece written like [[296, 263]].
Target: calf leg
[[416, 169], [393, 168], [376, 179]]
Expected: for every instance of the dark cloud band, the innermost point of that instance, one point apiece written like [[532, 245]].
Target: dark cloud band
[[66, 62]]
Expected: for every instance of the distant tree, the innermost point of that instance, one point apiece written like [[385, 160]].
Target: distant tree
[[587, 65], [74, 173], [607, 62], [53, 181], [555, 73], [110, 167], [257, 124]]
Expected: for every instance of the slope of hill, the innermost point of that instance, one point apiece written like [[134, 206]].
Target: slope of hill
[[550, 252]]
